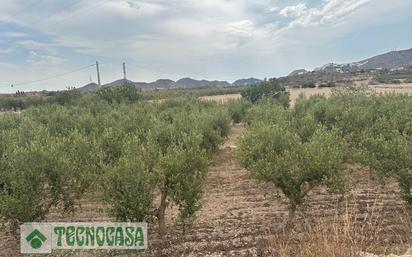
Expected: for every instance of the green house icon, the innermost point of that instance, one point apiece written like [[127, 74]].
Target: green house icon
[[36, 239]]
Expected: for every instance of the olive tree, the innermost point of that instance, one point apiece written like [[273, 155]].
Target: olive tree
[[42, 172], [166, 157], [128, 186], [182, 165], [390, 155], [181, 178], [276, 154]]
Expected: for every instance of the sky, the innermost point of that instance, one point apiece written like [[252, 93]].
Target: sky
[[202, 39]]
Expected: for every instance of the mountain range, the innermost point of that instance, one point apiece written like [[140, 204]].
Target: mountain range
[[170, 84]]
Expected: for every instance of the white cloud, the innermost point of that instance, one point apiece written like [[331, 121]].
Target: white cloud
[[272, 9], [294, 10], [332, 11], [242, 28], [36, 58], [34, 45]]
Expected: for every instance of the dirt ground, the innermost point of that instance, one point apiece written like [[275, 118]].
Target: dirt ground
[[221, 98], [296, 92]]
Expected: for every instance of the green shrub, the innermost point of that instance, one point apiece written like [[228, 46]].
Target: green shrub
[[66, 97], [123, 94], [267, 89], [267, 111], [309, 85], [329, 85], [382, 80], [237, 109]]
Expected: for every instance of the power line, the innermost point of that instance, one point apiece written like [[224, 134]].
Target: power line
[[54, 76]]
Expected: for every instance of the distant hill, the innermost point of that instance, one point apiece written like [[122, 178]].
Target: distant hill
[[91, 87], [246, 82], [391, 61], [118, 83], [163, 83], [298, 72], [159, 84], [170, 84], [391, 67], [191, 83], [218, 83]]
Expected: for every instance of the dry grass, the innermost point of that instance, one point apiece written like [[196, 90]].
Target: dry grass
[[380, 88], [296, 92], [347, 234], [221, 98]]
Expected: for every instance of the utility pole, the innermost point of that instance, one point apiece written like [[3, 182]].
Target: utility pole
[[98, 73], [124, 71]]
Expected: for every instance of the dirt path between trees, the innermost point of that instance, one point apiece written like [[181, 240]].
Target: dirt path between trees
[[240, 213], [235, 215]]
